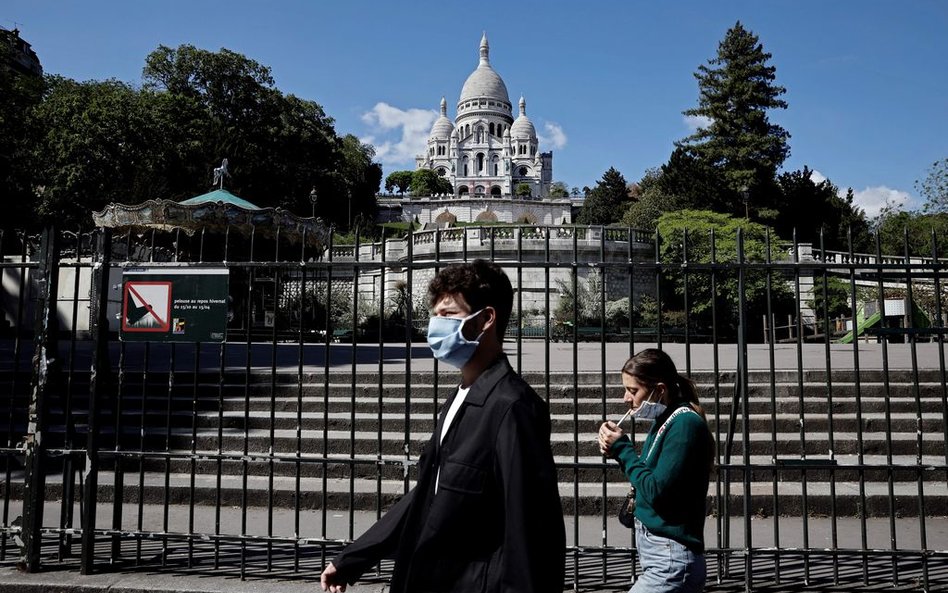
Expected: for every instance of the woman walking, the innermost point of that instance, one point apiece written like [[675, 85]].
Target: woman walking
[[669, 476]]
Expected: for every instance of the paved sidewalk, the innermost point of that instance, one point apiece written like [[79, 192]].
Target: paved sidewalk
[[616, 567]]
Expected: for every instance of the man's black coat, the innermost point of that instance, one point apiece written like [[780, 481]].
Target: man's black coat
[[495, 524]]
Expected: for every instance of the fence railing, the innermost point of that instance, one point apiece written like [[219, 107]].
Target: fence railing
[[265, 452]]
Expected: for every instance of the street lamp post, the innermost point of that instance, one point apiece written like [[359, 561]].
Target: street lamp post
[[313, 196], [349, 196], [745, 195]]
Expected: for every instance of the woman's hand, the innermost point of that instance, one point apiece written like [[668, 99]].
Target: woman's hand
[[609, 433]]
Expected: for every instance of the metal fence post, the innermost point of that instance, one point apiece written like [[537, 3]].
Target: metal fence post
[[45, 357], [98, 375]]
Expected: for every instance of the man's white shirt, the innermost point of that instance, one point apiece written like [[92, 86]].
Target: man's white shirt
[[448, 418]]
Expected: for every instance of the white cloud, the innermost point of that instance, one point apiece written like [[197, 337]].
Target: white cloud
[[392, 148], [697, 122], [874, 199], [554, 137]]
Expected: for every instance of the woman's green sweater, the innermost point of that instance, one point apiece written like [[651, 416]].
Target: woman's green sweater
[[671, 486]]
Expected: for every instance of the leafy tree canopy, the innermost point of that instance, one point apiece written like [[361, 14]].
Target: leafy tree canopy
[[102, 141], [19, 94], [934, 187], [606, 202], [558, 189], [919, 232], [717, 294], [802, 202], [425, 182], [398, 179]]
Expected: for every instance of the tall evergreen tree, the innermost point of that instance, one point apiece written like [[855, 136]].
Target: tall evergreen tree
[[607, 202], [736, 89]]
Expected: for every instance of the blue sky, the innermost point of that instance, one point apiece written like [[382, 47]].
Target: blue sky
[[605, 82]]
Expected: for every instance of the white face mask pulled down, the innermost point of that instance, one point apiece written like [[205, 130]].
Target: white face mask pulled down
[[649, 410]]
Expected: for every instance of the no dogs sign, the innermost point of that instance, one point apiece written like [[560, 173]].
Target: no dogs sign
[[174, 305]]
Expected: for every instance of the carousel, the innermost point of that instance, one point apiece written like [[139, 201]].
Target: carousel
[[221, 228]]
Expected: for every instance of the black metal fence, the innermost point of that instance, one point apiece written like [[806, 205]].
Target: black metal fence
[[261, 455]]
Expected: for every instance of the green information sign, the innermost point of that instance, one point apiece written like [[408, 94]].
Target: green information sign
[[174, 305]]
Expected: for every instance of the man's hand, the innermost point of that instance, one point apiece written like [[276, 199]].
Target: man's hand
[[329, 580], [609, 433]]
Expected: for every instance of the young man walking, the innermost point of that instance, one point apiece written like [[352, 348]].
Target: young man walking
[[485, 514]]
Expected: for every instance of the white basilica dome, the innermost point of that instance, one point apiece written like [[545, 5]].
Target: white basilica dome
[[442, 127], [522, 126], [484, 82]]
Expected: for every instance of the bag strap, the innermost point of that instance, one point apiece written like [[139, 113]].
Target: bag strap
[[661, 430]]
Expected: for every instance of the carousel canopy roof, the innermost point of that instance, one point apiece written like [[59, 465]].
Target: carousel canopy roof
[[216, 211], [220, 195]]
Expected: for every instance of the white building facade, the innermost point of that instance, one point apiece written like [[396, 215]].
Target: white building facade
[[487, 153]]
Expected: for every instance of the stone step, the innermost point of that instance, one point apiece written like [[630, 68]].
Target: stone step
[[421, 390], [394, 442], [897, 401], [785, 425], [395, 375], [881, 500], [584, 469]]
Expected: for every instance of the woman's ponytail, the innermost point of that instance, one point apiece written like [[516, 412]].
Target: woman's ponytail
[[689, 393]]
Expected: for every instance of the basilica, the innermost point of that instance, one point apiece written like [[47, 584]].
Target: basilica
[[492, 160]]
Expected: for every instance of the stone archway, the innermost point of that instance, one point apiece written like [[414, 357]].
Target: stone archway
[[527, 218], [486, 216], [446, 218], [495, 191]]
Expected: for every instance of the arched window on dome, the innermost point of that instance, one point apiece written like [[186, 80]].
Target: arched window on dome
[[480, 162], [467, 130], [492, 129], [465, 166], [495, 162]]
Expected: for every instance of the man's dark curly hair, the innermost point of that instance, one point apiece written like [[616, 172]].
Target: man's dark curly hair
[[481, 283]]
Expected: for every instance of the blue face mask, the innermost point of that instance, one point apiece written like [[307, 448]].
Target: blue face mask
[[448, 343], [649, 410]]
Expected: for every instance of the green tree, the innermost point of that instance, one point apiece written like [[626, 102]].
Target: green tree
[[279, 146], [736, 90], [729, 300], [398, 179], [20, 93], [425, 182], [104, 142], [831, 301], [362, 177], [558, 189], [915, 230], [801, 201], [523, 190], [606, 202], [934, 187]]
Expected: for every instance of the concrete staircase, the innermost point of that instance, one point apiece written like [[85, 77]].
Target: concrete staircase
[[283, 439]]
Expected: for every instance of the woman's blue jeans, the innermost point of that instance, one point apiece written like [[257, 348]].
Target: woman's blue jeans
[[667, 566]]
